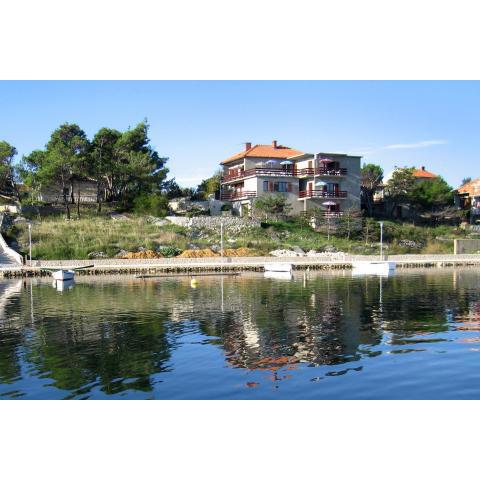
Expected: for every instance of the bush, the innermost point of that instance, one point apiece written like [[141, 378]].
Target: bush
[[169, 251], [151, 204]]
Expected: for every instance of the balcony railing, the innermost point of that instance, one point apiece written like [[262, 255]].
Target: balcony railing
[[324, 213], [230, 196], [322, 194], [284, 172], [322, 171], [277, 172]]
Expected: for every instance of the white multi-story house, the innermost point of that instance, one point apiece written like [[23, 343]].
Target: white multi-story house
[[330, 181]]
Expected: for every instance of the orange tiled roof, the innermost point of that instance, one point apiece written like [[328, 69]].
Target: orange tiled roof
[[265, 151], [472, 188], [422, 173]]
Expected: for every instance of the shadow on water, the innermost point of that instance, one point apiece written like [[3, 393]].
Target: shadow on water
[[238, 337]]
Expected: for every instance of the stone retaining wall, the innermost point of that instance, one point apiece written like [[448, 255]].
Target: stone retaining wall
[[240, 261], [466, 246], [213, 222]]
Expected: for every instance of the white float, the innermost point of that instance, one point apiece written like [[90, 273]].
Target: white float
[[278, 267], [374, 268]]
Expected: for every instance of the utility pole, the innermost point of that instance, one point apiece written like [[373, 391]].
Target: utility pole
[[221, 240], [381, 241], [30, 241]]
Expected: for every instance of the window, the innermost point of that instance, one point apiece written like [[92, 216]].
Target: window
[[332, 187], [281, 187]]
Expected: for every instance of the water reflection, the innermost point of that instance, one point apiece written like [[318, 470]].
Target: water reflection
[[161, 338]]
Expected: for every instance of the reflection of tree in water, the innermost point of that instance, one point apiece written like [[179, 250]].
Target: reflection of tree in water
[[420, 305], [115, 355], [74, 340]]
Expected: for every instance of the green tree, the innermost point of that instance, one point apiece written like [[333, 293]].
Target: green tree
[[171, 189], [271, 205], [63, 160], [370, 179], [28, 171], [465, 181], [371, 230], [151, 204], [102, 165], [350, 222], [8, 186], [138, 168], [400, 187], [432, 194], [210, 186]]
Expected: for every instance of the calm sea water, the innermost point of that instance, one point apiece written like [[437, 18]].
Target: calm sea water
[[320, 335]]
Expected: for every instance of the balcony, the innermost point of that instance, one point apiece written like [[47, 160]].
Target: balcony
[[261, 171], [239, 195], [322, 194], [284, 172]]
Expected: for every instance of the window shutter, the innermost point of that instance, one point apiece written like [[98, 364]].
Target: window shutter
[[270, 185], [289, 187]]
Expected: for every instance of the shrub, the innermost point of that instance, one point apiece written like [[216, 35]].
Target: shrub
[[169, 251], [151, 204]]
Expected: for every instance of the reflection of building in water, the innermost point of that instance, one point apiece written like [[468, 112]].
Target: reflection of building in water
[[8, 289], [270, 325], [10, 330]]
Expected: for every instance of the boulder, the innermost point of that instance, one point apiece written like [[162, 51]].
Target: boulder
[[97, 255]]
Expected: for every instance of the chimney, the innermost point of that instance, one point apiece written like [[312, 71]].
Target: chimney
[[248, 145], [423, 169], [274, 144]]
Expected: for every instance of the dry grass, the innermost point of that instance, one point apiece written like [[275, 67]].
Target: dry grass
[[59, 239]]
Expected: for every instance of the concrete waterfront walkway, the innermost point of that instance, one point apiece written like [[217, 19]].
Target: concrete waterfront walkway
[[230, 263]]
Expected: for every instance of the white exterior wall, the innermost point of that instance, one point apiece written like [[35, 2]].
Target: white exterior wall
[[292, 197], [349, 183]]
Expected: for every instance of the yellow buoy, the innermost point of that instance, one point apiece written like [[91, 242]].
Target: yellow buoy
[[193, 283]]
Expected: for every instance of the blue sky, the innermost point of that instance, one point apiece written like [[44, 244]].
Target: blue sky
[[198, 124]]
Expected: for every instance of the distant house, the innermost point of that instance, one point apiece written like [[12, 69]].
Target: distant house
[[468, 197], [54, 194], [328, 181], [382, 204]]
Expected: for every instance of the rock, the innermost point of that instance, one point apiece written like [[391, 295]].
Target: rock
[[298, 250], [97, 255], [157, 221], [410, 244], [121, 253], [329, 256], [118, 216], [284, 253], [329, 249], [215, 248], [20, 220]]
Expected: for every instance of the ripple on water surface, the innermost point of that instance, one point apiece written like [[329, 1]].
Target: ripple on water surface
[[320, 335]]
